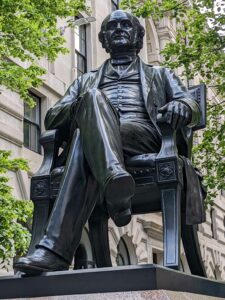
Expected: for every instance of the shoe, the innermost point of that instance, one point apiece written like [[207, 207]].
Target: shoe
[[42, 260], [121, 218], [118, 192]]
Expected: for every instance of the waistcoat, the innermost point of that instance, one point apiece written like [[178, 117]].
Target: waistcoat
[[122, 86]]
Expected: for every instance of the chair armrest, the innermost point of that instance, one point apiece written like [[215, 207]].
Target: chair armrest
[[50, 141], [169, 146]]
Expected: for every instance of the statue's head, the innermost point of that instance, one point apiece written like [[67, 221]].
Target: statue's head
[[121, 32]]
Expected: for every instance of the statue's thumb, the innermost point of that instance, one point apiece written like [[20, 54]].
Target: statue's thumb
[[162, 109]]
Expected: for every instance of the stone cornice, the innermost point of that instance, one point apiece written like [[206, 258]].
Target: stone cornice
[[153, 229]]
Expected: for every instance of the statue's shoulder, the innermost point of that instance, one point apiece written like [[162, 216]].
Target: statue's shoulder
[[151, 67], [156, 68], [86, 76], [94, 70], [90, 73]]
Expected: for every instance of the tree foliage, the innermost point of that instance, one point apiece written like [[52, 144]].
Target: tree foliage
[[28, 32], [199, 49], [14, 213]]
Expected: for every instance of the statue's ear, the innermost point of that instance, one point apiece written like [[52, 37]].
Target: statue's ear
[[100, 36], [140, 35], [142, 32], [103, 40]]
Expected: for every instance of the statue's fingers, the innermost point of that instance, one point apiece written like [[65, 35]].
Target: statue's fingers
[[184, 116], [181, 115], [160, 118], [176, 115], [187, 117], [169, 114], [163, 109]]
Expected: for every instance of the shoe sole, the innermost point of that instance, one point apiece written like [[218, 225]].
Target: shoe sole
[[122, 218], [34, 270], [122, 188]]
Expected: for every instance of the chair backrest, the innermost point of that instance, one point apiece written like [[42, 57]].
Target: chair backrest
[[198, 92]]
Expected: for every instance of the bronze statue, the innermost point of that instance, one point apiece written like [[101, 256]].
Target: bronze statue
[[116, 108]]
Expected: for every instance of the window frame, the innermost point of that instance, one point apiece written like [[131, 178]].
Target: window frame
[[79, 53], [36, 124]]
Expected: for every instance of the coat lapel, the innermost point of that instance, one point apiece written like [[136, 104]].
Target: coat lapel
[[147, 75], [98, 76]]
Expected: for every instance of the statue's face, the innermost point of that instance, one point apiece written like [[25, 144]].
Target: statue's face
[[121, 32]]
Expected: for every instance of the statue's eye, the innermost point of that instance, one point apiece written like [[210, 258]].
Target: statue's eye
[[126, 23], [111, 25]]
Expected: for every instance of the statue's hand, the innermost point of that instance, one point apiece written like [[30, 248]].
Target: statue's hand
[[175, 113]]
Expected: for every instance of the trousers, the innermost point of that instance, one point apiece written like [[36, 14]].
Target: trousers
[[104, 144]]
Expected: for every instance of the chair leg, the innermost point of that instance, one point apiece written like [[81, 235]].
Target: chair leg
[[98, 230], [190, 240], [171, 199]]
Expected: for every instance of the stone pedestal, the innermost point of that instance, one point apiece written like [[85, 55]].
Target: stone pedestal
[[130, 282], [139, 295]]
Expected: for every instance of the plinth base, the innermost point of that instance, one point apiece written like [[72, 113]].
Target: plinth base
[[149, 278], [140, 295]]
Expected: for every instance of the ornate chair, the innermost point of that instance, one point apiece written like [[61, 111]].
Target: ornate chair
[[159, 175]]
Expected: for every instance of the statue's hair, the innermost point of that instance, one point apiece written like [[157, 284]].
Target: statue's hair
[[135, 21]]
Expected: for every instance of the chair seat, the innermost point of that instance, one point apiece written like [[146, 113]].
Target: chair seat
[[141, 167], [143, 160]]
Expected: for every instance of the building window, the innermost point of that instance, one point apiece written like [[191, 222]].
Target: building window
[[123, 257], [31, 125], [157, 257], [80, 50], [115, 4], [154, 258]]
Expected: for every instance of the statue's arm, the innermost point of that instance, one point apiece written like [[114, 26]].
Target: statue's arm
[[59, 116], [176, 91]]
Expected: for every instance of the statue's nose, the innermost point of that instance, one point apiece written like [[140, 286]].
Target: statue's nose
[[118, 25]]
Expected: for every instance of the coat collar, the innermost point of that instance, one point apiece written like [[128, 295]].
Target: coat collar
[[127, 71], [147, 75]]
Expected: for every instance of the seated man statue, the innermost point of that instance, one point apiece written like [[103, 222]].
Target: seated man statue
[[115, 109]]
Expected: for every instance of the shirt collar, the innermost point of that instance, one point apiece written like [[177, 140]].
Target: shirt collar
[[123, 71]]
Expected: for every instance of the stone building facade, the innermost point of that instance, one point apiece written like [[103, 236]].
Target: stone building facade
[[140, 242]]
